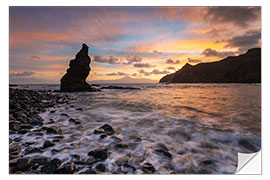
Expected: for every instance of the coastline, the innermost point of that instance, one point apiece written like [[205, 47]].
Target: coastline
[[78, 133], [25, 107]]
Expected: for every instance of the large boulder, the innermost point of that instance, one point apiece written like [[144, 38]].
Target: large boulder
[[75, 78]]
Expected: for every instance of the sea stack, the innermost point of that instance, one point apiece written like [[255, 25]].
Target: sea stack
[[75, 78]]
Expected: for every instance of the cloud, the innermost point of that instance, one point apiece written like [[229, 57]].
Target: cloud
[[171, 68], [141, 71], [239, 16], [155, 71], [211, 52], [194, 60], [143, 65], [110, 60], [35, 57], [170, 61], [134, 74], [22, 74], [156, 52], [250, 39], [117, 74], [132, 59]]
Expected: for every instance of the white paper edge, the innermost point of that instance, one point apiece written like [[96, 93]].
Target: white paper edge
[[249, 163]]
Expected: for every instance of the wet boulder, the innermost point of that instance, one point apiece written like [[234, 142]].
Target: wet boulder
[[162, 149], [54, 130], [106, 128], [24, 163], [99, 154], [90, 171], [51, 167], [66, 169], [148, 168], [48, 143], [14, 125], [101, 167]]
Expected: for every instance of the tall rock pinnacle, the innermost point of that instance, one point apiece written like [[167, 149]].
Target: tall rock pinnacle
[[75, 78]]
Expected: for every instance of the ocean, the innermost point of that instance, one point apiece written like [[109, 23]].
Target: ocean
[[202, 125]]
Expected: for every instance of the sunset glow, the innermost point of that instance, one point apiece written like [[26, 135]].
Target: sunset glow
[[139, 42]]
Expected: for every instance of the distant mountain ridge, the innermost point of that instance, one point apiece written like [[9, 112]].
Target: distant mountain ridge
[[245, 68], [124, 80]]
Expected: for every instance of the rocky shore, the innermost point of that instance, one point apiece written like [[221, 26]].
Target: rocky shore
[[26, 158]]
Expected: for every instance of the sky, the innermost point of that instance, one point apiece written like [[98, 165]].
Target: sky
[[139, 42]]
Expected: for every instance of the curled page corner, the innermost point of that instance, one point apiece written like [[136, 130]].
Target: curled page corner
[[249, 163]]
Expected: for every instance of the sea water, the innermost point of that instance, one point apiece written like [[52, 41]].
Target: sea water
[[202, 125]]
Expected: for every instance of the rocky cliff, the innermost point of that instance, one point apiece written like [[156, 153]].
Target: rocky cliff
[[75, 78], [245, 68]]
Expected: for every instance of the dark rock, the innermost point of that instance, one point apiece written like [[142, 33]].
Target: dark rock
[[30, 142], [129, 169], [14, 147], [54, 130], [52, 111], [79, 109], [71, 120], [15, 126], [90, 171], [10, 140], [23, 131], [63, 114], [66, 169], [99, 131], [102, 136], [120, 146], [116, 139], [48, 143], [58, 137], [91, 161], [75, 78], [122, 160], [13, 161], [35, 122], [56, 161], [35, 166], [51, 167], [165, 153], [120, 87], [148, 168], [99, 154], [101, 167], [41, 160], [105, 129], [136, 160], [24, 163], [54, 151], [26, 126], [207, 162], [160, 146], [76, 156], [78, 162], [245, 68], [135, 138], [31, 150], [108, 129]]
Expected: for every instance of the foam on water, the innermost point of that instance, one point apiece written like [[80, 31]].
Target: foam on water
[[203, 126]]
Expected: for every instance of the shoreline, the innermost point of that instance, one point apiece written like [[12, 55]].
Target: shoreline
[[25, 107], [46, 138]]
